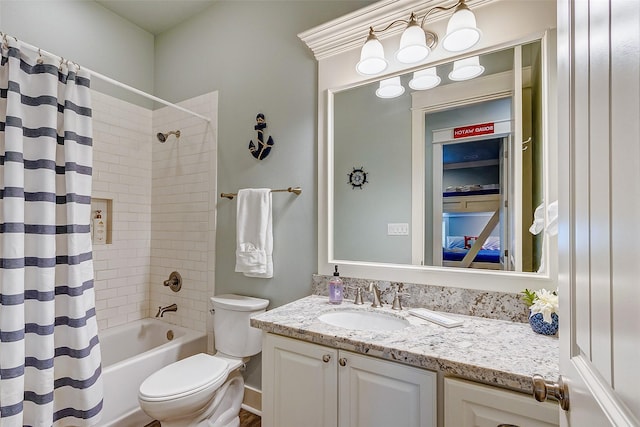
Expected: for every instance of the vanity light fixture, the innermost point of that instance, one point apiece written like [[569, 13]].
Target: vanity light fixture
[[416, 43], [465, 69], [424, 79], [390, 88]]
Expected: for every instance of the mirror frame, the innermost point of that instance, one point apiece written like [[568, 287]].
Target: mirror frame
[[337, 54]]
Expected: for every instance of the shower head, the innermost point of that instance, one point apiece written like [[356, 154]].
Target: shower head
[[162, 137]]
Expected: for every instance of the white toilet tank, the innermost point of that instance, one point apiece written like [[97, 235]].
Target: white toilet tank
[[233, 334]]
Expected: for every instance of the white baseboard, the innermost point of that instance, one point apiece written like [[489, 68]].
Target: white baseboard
[[252, 401]]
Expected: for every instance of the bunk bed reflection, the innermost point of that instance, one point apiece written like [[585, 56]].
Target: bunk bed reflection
[[471, 212]]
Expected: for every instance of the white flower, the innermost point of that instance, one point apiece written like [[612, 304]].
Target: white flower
[[546, 302]]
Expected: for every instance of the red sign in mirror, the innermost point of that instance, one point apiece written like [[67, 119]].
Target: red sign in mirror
[[473, 130]]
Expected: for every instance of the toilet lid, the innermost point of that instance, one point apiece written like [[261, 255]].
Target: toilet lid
[[184, 377]]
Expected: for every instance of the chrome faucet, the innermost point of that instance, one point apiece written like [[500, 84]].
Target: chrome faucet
[[375, 291], [162, 310]]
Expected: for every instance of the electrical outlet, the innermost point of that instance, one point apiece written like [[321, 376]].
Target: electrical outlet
[[398, 229]]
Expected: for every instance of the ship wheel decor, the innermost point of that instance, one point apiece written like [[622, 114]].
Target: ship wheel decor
[[261, 149], [357, 178]]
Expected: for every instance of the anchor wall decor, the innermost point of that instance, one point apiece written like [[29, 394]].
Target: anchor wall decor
[[261, 149]]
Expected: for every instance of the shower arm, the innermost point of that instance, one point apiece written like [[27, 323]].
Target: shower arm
[[162, 137]]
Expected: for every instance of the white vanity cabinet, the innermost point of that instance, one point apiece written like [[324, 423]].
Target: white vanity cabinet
[[299, 383], [306, 384], [468, 404]]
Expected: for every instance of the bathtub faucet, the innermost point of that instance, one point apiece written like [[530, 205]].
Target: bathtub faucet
[[162, 310]]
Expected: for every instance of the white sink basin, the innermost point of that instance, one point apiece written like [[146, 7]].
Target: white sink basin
[[363, 320]]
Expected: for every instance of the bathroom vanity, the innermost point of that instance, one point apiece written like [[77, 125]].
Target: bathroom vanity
[[423, 374], [318, 385]]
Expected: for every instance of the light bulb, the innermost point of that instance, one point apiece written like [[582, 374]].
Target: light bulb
[[462, 31], [390, 88], [372, 60], [424, 79], [466, 69], [413, 44]]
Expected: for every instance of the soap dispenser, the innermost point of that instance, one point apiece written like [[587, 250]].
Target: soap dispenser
[[335, 288], [99, 229]]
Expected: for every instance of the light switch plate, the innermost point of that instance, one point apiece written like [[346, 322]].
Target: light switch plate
[[398, 229]]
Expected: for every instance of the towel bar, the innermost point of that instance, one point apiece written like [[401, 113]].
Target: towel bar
[[295, 190]]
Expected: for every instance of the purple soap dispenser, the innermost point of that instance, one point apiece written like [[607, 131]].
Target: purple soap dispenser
[[335, 288]]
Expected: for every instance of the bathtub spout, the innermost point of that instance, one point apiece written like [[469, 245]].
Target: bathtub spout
[[162, 310]]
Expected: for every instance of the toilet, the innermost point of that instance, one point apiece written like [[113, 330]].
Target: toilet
[[204, 390]]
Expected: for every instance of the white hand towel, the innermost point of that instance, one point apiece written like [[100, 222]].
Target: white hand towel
[[254, 236], [551, 229]]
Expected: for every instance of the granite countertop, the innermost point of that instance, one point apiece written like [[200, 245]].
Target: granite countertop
[[497, 352]]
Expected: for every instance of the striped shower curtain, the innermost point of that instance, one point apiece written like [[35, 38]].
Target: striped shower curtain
[[49, 352]]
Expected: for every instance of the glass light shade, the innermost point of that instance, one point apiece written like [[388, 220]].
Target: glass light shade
[[413, 45], [462, 32], [372, 60], [424, 79], [466, 69], [390, 88]]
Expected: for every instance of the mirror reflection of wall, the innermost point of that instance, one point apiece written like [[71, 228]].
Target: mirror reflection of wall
[[373, 133]]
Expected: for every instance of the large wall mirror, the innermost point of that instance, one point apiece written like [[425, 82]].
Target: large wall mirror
[[480, 173], [440, 185]]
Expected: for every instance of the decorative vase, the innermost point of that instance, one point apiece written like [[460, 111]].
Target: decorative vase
[[541, 327]]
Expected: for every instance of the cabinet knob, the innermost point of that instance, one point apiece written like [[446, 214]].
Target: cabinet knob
[[559, 390], [507, 425], [326, 358], [342, 361]]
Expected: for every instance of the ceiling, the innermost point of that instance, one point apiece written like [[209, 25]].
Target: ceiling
[[156, 16]]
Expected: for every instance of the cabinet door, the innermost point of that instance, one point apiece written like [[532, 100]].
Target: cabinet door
[[467, 404], [299, 382], [376, 393]]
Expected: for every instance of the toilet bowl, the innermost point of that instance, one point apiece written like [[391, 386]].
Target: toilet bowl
[[191, 391], [204, 390]]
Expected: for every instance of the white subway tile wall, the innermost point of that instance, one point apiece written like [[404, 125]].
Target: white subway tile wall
[[122, 173], [183, 212], [163, 218]]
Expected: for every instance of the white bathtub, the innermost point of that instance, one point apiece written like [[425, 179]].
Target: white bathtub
[[132, 352]]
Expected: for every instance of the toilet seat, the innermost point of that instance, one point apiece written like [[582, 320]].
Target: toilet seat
[[184, 377]]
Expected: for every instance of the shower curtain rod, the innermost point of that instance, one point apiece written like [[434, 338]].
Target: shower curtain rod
[[112, 81]]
